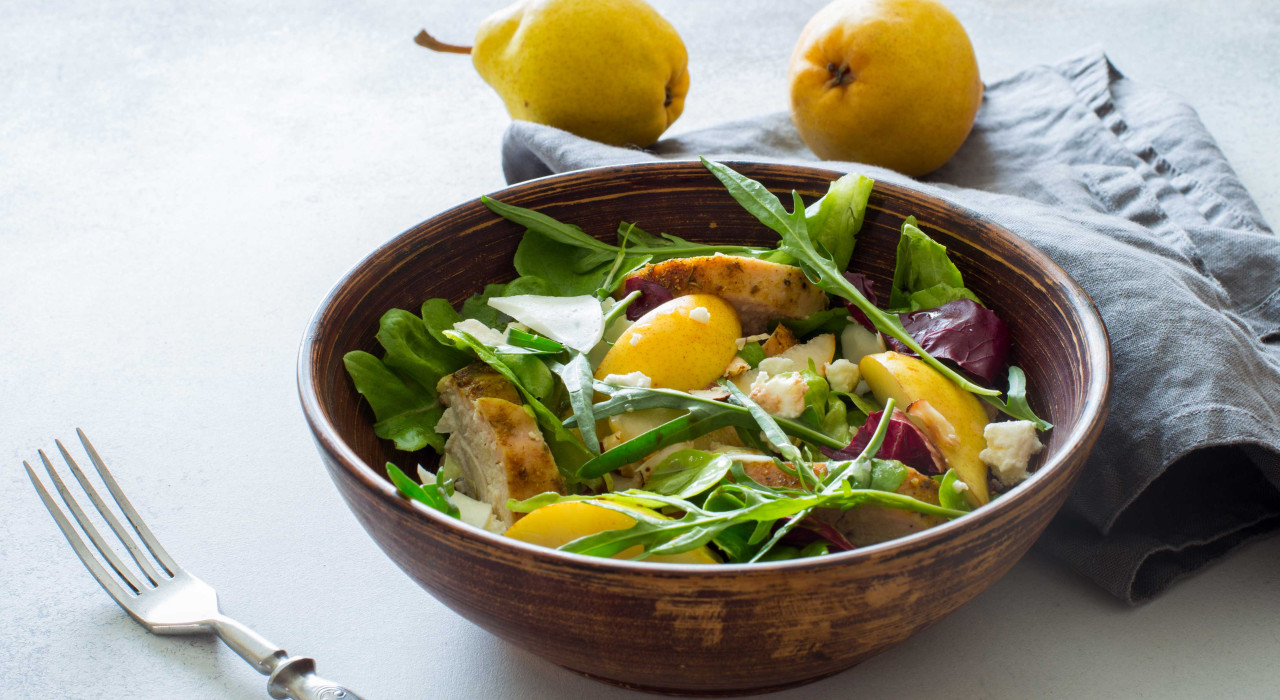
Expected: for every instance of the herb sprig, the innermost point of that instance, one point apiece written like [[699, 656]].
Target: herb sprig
[[704, 416], [818, 265]]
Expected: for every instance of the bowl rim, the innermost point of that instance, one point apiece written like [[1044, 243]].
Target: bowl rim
[[1086, 431]]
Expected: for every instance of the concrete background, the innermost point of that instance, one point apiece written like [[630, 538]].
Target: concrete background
[[181, 183]]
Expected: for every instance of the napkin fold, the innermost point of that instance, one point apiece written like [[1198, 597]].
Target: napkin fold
[[1122, 185]]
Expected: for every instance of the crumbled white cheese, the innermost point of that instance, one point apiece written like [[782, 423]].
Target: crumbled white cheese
[[480, 332], [959, 486], [761, 377], [862, 388], [1009, 448], [777, 365], [636, 379], [742, 342], [636, 338], [843, 375], [700, 314], [781, 396]]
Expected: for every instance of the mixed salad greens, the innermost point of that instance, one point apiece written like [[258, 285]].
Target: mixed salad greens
[[660, 399]]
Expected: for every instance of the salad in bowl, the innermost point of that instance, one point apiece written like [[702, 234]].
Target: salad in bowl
[[661, 400]]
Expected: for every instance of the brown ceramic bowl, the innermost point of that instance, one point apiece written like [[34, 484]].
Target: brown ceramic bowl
[[703, 629]]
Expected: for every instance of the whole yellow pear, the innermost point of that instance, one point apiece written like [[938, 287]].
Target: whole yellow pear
[[892, 83], [609, 70]]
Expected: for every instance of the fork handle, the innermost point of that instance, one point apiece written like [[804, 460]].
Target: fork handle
[[296, 678], [288, 676]]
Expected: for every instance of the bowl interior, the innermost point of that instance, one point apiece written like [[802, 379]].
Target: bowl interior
[[1058, 340]]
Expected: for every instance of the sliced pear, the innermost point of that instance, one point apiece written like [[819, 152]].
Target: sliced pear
[[561, 523], [908, 379]]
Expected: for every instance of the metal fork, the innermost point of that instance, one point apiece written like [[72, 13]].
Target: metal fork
[[167, 599]]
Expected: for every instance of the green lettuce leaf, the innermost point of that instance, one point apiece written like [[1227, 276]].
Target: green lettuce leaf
[[923, 276], [834, 220], [406, 412]]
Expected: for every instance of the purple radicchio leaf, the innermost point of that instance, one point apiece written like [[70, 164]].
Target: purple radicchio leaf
[[962, 331], [652, 295], [812, 530], [865, 285], [903, 441]]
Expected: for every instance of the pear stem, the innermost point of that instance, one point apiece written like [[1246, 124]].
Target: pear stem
[[427, 41]]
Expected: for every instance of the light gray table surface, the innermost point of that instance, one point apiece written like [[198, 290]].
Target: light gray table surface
[[181, 183]]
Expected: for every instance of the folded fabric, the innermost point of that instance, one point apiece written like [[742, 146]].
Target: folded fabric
[[1123, 187]]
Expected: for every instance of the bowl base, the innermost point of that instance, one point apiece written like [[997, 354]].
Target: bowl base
[[686, 693]]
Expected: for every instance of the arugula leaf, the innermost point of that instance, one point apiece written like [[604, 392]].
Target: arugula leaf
[[697, 422], [705, 415], [622, 265], [687, 473], [541, 223], [406, 413], [568, 450], [659, 535], [772, 431], [576, 375], [667, 246], [596, 253], [1017, 405], [817, 265], [838, 479], [619, 308], [923, 275], [432, 494], [834, 220]]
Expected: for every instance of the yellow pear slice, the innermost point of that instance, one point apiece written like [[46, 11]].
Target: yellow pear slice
[[908, 379], [561, 523]]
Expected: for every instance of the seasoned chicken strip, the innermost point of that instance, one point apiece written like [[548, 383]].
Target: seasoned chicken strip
[[758, 290], [871, 524], [495, 440]]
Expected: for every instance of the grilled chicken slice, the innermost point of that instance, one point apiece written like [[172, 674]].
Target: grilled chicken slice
[[495, 440], [760, 291], [871, 524], [767, 473]]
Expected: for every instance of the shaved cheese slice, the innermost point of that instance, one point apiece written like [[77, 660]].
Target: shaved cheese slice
[[577, 322]]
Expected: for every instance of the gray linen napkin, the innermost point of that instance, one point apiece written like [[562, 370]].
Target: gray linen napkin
[[1124, 188]]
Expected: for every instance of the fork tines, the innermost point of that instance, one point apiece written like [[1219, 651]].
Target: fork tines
[[127, 582]]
